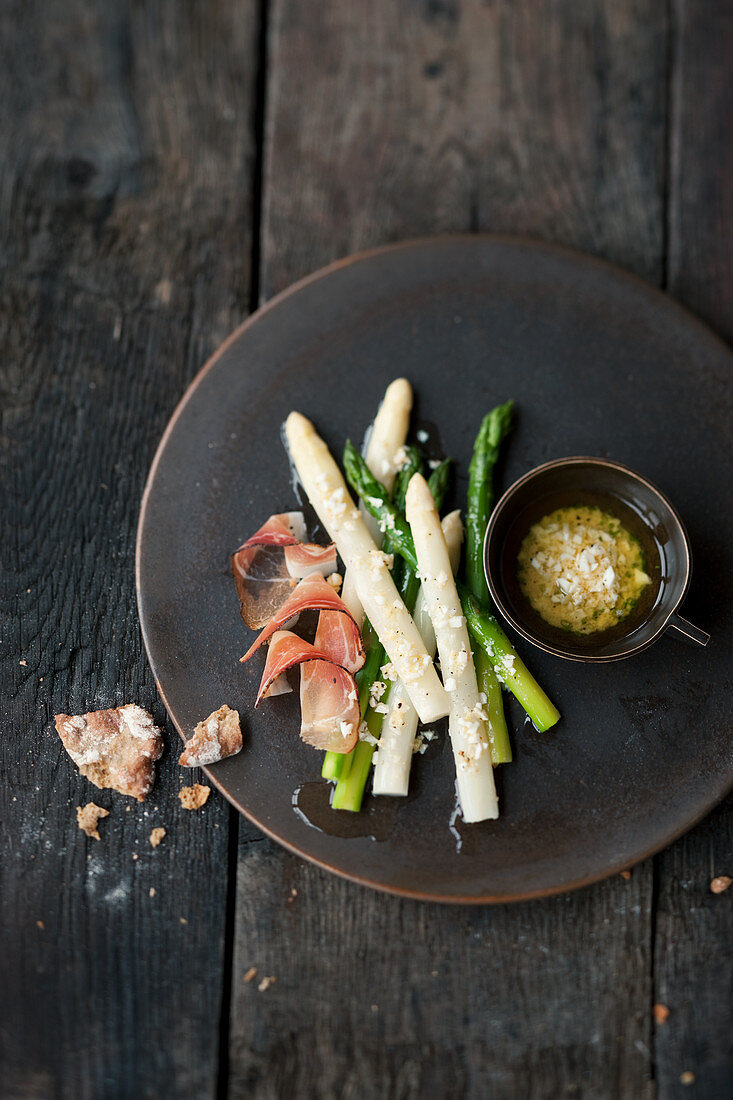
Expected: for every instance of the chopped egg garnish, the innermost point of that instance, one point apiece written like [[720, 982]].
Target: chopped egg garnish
[[581, 570], [376, 691]]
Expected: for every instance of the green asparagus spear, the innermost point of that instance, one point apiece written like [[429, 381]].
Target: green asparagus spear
[[349, 791], [413, 464], [507, 664], [494, 427], [438, 482], [377, 502], [334, 764], [486, 630], [369, 671]]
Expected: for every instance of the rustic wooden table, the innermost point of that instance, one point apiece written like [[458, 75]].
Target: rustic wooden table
[[166, 167]]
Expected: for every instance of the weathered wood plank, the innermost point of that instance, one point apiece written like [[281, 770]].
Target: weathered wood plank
[[693, 947], [693, 956], [700, 263], [385, 122], [125, 235], [376, 997]]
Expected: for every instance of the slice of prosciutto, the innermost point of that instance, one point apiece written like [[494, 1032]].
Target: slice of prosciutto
[[329, 697], [268, 563], [337, 636]]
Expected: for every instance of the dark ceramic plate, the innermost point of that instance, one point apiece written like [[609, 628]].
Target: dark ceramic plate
[[599, 364]]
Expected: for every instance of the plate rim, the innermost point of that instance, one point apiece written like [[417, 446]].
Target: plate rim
[[571, 254]]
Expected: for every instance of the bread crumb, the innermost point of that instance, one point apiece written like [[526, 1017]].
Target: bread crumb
[[217, 737], [23, 663], [721, 883], [687, 1078], [265, 983], [151, 892], [661, 1013], [625, 874], [87, 818], [157, 835], [192, 798], [251, 973], [183, 920], [41, 925], [135, 855], [114, 748]]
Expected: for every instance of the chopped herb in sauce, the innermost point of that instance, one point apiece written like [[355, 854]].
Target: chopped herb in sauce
[[581, 570]]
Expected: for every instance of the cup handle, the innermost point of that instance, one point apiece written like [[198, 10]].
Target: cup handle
[[688, 630]]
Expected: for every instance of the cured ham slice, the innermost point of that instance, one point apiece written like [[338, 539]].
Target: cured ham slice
[[266, 565], [302, 559], [340, 638], [329, 697], [329, 709]]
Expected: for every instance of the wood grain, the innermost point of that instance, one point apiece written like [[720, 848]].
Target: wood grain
[[700, 265], [125, 179], [129, 182], [383, 123], [378, 997], [544, 119], [693, 948]]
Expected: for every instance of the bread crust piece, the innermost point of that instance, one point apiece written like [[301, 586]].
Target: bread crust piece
[[114, 748], [217, 737], [193, 798], [88, 816]]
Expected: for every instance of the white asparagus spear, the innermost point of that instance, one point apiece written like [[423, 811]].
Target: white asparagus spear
[[386, 440], [327, 492], [393, 757], [466, 720]]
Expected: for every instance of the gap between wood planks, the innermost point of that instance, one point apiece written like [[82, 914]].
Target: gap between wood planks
[[669, 103], [258, 126], [260, 108]]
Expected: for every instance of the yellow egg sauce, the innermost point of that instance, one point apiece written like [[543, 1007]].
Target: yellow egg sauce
[[581, 569]]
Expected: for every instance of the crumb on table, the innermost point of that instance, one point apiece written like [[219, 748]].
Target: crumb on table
[[720, 884], [87, 818], [192, 798], [661, 1013], [114, 748], [217, 737], [157, 835]]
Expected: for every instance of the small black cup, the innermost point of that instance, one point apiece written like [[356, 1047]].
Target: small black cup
[[641, 507]]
